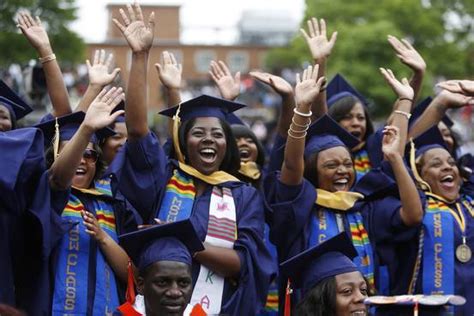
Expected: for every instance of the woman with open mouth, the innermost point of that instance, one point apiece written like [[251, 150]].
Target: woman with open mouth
[[195, 181], [88, 266], [311, 199]]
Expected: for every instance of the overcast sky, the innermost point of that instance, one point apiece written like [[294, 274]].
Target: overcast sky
[[203, 21]]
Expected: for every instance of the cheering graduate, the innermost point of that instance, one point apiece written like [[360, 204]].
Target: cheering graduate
[[310, 199], [88, 263], [227, 214], [330, 282], [163, 255], [27, 221], [444, 264], [12, 108]]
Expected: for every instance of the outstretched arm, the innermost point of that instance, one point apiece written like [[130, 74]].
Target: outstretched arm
[[99, 77], [321, 49], [38, 38], [140, 38], [411, 211], [228, 85], [306, 91], [285, 90], [402, 107], [98, 116], [437, 109], [465, 87], [410, 57]]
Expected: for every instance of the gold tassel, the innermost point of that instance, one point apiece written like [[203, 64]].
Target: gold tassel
[[176, 124], [56, 140], [422, 183]]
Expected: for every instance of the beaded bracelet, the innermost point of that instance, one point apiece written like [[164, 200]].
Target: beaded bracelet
[[302, 114], [406, 114], [47, 58]]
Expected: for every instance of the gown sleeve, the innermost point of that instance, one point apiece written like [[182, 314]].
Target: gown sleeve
[[277, 154], [257, 268], [139, 172], [291, 208]]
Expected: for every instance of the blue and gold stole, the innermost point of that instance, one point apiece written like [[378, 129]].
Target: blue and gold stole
[[179, 196], [361, 163], [325, 226], [438, 249], [84, 282]]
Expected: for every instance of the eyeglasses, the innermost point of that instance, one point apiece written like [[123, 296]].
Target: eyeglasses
[[90, 155]]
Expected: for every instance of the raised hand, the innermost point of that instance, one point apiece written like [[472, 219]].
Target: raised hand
[[280, 85], [99, 70], [317, 39], [170, 72], [99, 114], [465, 87], [229, 86], [407, 54], [138, 34], [454, 100], [391, 141], [402, 89], [308, 86], [33, 31]]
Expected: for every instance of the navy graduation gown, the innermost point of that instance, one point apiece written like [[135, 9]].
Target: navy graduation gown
[[141, 173]]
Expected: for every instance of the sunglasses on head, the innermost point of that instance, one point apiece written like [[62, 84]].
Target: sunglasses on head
[[90, 155]]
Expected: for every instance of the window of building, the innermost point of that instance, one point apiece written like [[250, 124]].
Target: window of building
[[202, 60]]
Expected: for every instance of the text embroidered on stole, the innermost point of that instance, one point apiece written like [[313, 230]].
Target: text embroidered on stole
[[221, 232]]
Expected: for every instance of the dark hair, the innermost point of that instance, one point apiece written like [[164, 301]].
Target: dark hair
[[341, 107], [311, 167], [243, 131], [320, 300], [100, 165], [231, 162]]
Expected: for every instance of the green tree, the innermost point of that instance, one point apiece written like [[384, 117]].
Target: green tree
[[55, 14], [442, 31]]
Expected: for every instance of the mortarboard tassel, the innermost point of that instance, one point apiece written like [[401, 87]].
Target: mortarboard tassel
[[176, 124], [56, 139], [422, 183], [127, 308], [287, 311]]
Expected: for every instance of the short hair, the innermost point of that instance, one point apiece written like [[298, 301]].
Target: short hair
[[341, 107]]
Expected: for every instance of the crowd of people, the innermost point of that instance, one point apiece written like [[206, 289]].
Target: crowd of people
[[100, 217]]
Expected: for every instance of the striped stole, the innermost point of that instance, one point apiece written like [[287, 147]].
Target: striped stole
[[361, 163], [221, 232], [178, 199]]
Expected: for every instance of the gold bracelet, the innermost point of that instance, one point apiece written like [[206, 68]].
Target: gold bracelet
[[302, 114], [299, 125], [290, 134], [47, 58], [405, 114]]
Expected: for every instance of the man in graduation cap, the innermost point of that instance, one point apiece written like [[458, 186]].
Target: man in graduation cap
[[163, 255]]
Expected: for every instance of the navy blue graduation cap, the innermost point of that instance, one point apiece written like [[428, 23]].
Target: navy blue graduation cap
[[325, 260], [15, 105], [68, 126], [421, 107], [233, 119], [176, 241], [432, 138], [203, 106], [339, 88], [326, 133]]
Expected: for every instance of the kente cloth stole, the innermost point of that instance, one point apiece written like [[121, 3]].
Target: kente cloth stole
[[325, 226], [438, 244], [82, 270], [362, 163], [221, 232], [178, 199]]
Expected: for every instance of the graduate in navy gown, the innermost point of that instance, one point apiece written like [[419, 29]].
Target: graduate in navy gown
[[12, 108], [227, 214], [444, 264], [308, 210], [88, 265]]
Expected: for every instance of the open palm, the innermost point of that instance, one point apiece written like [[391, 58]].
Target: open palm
[[280, 85]]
